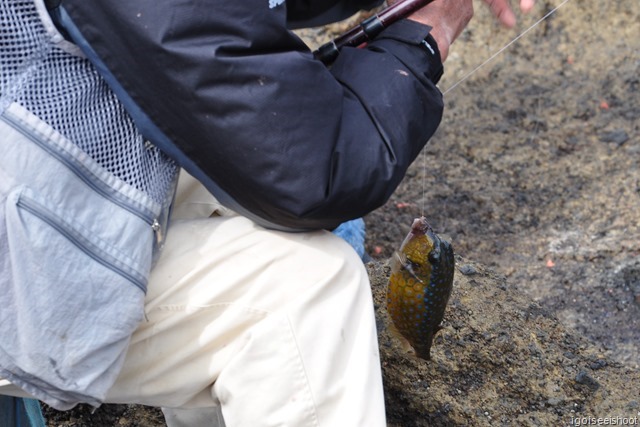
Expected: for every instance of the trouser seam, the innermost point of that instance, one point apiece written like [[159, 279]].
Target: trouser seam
[[313, 415]]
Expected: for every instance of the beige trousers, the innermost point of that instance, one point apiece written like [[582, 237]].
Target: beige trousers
[[267, 328]]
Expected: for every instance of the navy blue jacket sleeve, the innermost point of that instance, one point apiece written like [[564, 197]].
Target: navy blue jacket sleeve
[[240, 102]]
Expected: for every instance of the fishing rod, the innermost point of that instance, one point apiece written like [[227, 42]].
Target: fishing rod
[[368, 29]]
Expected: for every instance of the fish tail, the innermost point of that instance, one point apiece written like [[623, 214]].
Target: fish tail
[[423, 351]]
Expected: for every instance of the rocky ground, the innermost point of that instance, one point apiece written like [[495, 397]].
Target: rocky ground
[[534, 177], [534, 170], [501, 359]]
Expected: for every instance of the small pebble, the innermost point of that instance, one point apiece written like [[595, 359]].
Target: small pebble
[[617, 137], [598, 364], [468, 270], [586, 379]]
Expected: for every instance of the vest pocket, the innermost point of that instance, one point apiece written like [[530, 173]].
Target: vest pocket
[[73, 302], [92, 247]]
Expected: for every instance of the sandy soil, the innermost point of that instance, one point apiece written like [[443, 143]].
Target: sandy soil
[[500, 360], [533, 172]]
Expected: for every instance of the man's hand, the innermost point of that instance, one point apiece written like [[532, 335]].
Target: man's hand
[[504, 13], [449, 17]]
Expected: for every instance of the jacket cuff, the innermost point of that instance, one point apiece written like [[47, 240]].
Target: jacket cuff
[[412, 44]]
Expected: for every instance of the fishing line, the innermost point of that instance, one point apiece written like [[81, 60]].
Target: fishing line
[[492, 57], [472, 72]]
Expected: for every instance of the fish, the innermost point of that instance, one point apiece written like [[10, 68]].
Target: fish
[[419, 286]]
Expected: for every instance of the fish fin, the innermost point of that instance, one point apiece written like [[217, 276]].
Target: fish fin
[[398, 261], [407, 266], [424, 354], [402, 261], [404, 343], [425, 351]]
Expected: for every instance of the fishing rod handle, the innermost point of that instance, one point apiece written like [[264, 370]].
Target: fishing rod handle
[[368, 29]]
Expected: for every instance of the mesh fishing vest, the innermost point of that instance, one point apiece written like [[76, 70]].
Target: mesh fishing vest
[[84, 201], [63, 89]]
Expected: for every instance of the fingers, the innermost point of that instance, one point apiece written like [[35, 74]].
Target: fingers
[[527, 5], [504, 13]]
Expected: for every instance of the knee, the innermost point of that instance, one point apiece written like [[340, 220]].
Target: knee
[[335, 267]]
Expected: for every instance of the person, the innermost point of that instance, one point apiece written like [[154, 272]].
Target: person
[[244, 309]]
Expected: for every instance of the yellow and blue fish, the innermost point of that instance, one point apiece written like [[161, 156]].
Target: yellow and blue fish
[[420, 286]]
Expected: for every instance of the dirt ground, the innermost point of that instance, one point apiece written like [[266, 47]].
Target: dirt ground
[[534, 173], [534, 170], [500, 360]]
